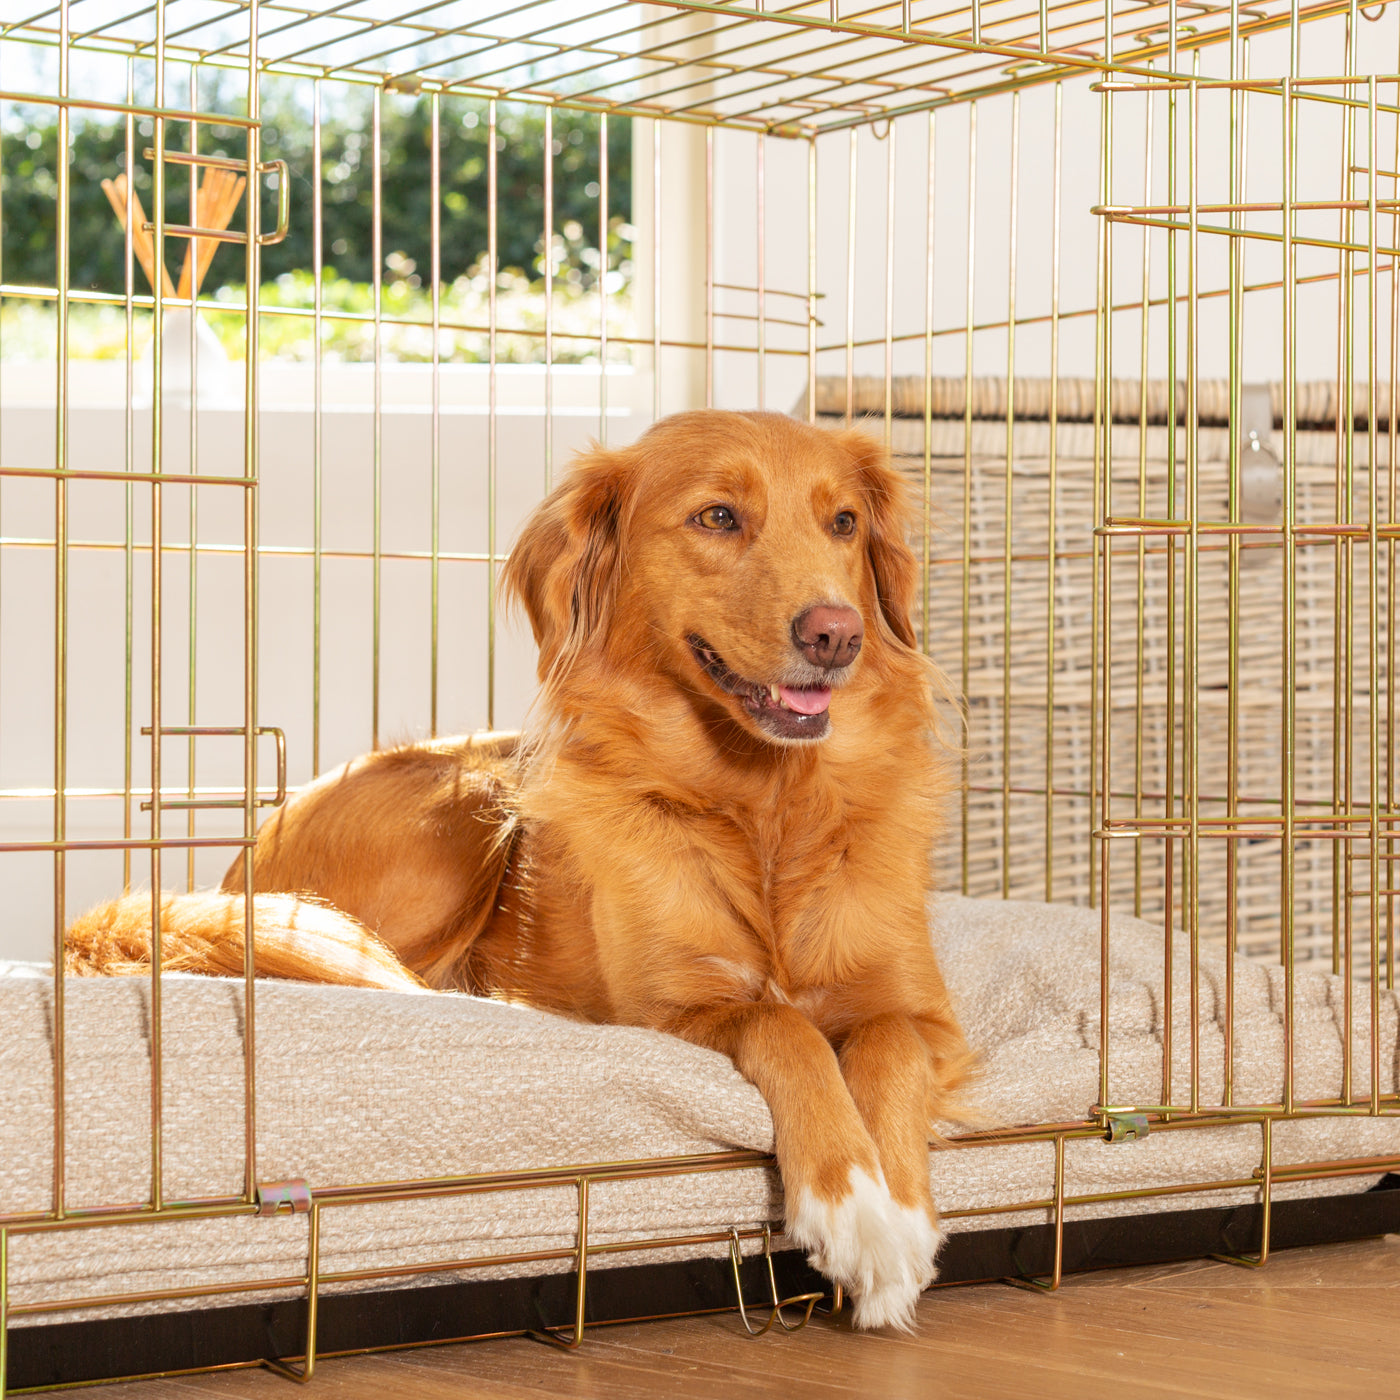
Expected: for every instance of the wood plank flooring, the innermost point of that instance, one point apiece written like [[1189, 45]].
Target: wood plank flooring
[[1320, 1322]]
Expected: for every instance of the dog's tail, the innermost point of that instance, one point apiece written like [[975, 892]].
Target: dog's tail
[[293, 937]]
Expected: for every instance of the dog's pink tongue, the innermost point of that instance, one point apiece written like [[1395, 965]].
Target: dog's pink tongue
[[806, 700]]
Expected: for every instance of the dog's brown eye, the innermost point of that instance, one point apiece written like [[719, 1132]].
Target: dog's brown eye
[[844, 524], [717, 518]]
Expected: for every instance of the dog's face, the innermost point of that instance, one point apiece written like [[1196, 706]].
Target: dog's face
[[752, 558], [748, 557]]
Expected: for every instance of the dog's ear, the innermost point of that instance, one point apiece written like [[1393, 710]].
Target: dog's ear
[[565, 566], [889, 513]]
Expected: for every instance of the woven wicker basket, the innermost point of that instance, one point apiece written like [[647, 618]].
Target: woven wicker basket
[[1002, 844]]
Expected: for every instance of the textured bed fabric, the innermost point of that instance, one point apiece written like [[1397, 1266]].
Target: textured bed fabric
[[358, 1086]]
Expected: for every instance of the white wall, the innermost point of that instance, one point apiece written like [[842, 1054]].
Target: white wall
[[98, 599]]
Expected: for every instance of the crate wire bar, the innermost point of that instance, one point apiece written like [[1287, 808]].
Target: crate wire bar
[[1096, 557]]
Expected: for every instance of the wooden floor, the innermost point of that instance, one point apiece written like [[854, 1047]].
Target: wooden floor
[[1318, 1322]]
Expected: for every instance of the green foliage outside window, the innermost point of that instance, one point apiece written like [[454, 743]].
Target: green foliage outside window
[[29, 187]]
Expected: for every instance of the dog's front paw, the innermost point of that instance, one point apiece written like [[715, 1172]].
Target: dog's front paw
[[880, 1252]]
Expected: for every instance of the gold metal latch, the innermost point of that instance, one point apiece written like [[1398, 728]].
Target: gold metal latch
[[292, 1196], [1125, 1127], [226, 235]]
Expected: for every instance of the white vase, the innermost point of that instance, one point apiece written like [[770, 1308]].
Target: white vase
[[218, 383]]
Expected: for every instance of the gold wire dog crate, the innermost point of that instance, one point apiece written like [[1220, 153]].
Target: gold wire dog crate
[[1115, 281]]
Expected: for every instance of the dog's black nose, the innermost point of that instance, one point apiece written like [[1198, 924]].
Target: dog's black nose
[[828, 636]]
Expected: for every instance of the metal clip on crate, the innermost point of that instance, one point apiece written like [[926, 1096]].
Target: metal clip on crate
[[274, 1196], [1126, 1127]]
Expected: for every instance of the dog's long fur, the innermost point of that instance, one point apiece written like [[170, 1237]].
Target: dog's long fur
[[663, 852]]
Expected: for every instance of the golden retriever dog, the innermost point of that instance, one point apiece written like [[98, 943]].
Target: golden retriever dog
[[720, 825]]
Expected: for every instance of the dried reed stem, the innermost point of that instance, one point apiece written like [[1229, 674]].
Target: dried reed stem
[[141, 245]]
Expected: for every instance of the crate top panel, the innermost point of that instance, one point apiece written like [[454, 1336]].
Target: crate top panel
[[789, 69]]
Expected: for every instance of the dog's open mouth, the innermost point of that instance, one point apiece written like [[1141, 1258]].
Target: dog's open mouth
[[784, 711]]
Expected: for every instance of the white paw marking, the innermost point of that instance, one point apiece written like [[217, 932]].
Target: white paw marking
[[880, 1252]]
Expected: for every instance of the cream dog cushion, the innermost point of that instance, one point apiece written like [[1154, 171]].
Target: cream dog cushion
[[360, 1087]]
